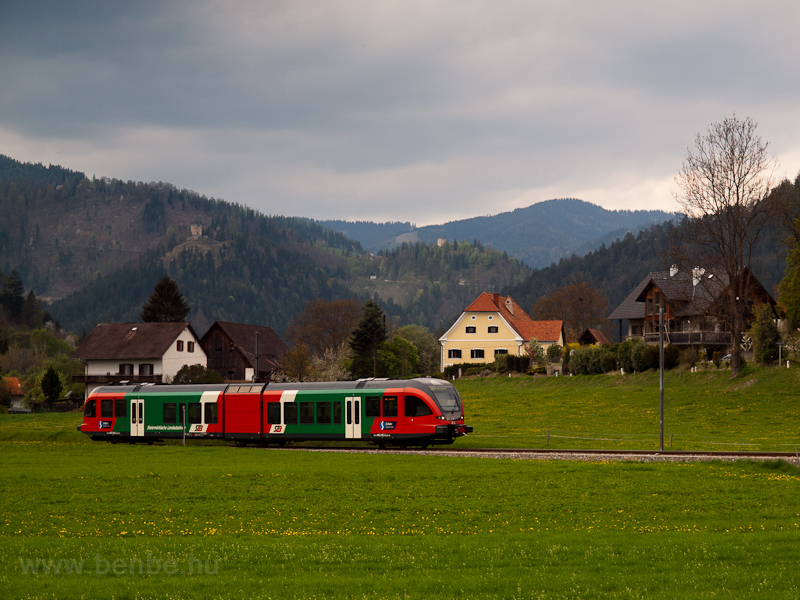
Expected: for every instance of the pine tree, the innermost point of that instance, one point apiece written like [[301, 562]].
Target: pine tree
[[51, 386], [166, 304], [366, 340], [12, 295]]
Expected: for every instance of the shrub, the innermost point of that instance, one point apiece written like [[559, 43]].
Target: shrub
[[554, 353], [690, 357], [592, 360]]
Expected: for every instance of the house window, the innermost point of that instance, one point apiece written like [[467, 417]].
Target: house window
[[493, 329], [146, 369], [126, 369], [190, 346], [471, 329], [500, 351], [476, 353], [180, 345], [634, 330], [454, 354]]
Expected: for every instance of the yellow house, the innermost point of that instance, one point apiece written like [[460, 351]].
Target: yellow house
[[492, 325]]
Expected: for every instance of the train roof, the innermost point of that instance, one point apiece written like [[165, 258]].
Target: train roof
[[360, 384]]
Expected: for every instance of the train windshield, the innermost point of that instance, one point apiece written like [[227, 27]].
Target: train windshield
[[447, 397]]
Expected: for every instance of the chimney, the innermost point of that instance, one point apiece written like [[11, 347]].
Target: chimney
[[673, 270], [697, 273], [496, 299]]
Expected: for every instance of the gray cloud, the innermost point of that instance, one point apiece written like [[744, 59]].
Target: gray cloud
[[394, 110]]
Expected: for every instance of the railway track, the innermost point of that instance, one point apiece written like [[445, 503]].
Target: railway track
[[584, 455]]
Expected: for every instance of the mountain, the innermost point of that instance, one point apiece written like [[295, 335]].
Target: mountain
[[94, 248], [537, 235]]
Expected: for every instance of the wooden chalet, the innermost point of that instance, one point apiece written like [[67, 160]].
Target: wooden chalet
[[241, 352], [693, 303]]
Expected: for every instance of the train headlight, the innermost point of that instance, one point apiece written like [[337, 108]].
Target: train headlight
[[441, 418]]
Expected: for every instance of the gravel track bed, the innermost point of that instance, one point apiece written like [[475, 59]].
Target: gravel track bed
[[577, 455]]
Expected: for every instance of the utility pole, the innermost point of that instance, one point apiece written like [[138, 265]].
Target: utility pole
[[255, 377], [661, 370]]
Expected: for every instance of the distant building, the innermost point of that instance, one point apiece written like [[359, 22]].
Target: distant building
[[15, 387], [591, 336], [241, 352], [693, 304], [492, 325], [137, 353]]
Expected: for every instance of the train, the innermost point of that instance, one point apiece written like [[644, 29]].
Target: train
[[387, 412]]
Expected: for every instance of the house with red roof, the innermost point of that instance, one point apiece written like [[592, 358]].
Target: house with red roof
[[492, 325], [15, 388]]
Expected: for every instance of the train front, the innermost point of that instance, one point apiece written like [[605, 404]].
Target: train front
[[451, 409]]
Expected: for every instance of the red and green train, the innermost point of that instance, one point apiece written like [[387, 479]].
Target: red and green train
[[413, 412]]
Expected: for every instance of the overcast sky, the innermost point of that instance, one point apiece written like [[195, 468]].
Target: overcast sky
[[401, 110]]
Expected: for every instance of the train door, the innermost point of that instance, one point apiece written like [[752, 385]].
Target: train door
[[137, 417], [352, 418]]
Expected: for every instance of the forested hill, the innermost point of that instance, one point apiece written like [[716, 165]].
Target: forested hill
[[95, 248], [538, 235], [616, 269]]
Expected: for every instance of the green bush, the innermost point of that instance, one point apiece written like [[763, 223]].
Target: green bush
[[592, 360]]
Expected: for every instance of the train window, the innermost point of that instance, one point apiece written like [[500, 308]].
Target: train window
[[120, 407], [290, 413], [323, 413], [89, 410], [274, 413], [390, 406], [306, 413], [373, 406], [106, 408], [337, 413], [212, 414], [195, 412], [170, 413], [416, 407]]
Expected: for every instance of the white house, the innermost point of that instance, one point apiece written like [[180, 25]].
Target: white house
[[137, 353]]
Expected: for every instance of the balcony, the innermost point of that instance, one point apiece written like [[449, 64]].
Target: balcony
[[117, 378], [692, 338]]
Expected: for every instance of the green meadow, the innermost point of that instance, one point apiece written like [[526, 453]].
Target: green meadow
[[80, 519]]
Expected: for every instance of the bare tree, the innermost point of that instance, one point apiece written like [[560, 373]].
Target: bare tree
[[723, 186], [579, 305], [324, 325]]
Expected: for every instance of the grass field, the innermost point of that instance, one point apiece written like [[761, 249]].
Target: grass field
[[208, 522], [757, 411], [80, 519]]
